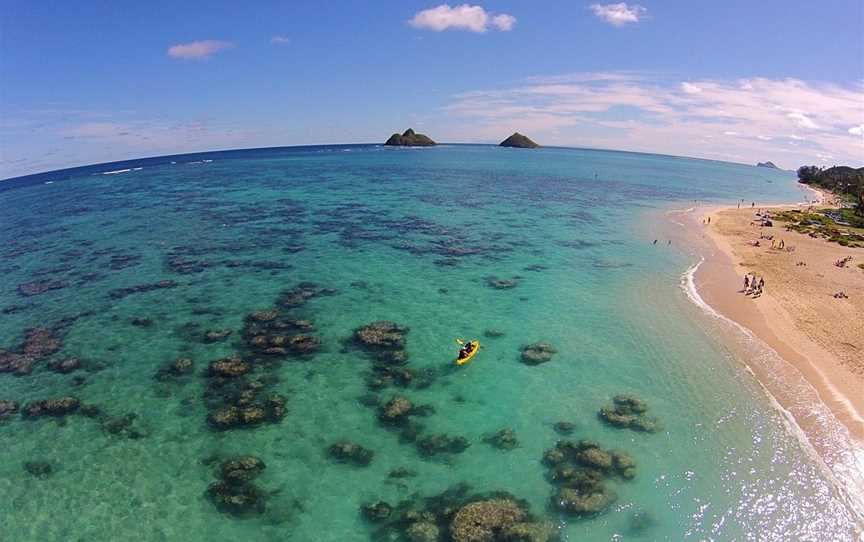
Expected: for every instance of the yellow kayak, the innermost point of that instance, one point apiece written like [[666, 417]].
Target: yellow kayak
[[474, 350]]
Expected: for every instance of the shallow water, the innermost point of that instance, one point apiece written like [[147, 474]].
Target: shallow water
[[409, 235]]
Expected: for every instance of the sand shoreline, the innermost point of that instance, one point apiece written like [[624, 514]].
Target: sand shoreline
[[797, 315], [817, 340]]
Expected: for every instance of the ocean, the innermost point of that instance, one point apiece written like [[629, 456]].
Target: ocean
[[129, 267]]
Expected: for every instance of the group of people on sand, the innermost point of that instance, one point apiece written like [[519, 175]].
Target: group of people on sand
[[779, 244], [843, 262], [753, 286]]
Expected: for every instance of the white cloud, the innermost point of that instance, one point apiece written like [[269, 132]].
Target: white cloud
[[802, 120], [503, 22], [464, 17], [754, 119], [584, 77], [619, 14], [690, 88], [280, 40], [198, 49]]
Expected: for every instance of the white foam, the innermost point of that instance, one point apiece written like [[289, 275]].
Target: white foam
[[116, 171]]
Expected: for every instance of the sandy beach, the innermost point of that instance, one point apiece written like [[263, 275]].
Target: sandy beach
[[797, 314]]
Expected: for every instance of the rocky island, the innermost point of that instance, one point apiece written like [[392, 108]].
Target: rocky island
[[518, 140], [409, 139], [768, 164]]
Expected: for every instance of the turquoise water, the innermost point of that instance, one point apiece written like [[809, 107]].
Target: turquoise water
[[412, 236]]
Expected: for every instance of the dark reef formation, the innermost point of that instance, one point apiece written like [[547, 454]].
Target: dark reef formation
[[51, 407], [505, 439], [7, 409], [376, 511], [432, 445], [216, 335], [346, 451], [177, 368], [384, 342], [396, 411], [630, 412], [502, 284], [518, 140], [120, 293], [38, 344], [36, 287], [235, 493], [459, 516], [229, 368], [537, 353], [41, 470], [243, 407], [65, 366], [579, 470], [410, 139], [238, 393], [122, 426], [564, 428]]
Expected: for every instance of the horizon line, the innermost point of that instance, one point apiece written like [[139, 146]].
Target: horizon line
[[68, 169]]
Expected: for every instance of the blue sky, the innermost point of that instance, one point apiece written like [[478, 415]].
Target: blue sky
[[85, 82]]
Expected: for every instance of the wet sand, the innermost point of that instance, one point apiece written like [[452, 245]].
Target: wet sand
[[797, 315]]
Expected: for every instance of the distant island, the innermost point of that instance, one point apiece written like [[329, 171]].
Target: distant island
[[520, 141], [768, 164], [409, 139]]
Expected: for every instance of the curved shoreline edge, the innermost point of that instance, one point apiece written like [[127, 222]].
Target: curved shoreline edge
[[847, 473], [815, 411]]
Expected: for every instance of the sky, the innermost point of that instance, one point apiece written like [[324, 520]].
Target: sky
[[743, 81]]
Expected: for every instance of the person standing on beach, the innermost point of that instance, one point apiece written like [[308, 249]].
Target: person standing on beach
[[746, 282], [761, 283]]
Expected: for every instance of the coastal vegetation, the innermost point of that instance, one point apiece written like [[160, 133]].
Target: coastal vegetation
[[846, 182], [831, 224], [410, 139], [520, 141]]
